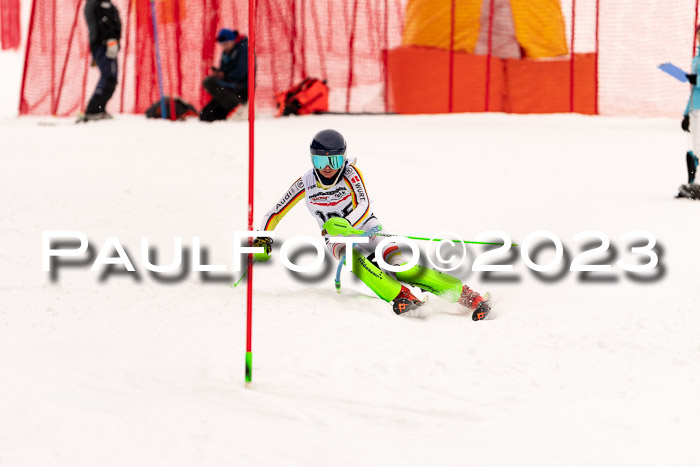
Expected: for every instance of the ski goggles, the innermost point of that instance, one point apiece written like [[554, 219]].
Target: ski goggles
[[321, 162]]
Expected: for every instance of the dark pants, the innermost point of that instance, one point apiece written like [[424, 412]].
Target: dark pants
[[106, 84], [223, 99]]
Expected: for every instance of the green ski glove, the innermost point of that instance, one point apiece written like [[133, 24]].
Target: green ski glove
[[265, 242], [340, 227]]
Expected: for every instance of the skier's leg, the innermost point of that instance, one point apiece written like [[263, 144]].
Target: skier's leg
[[106, 84], [443, 285], [380, 282], [228, 98], [691, 162], [427, 279], [430, 280], [212, 112], [384, 285], [691, 157], [692, 189], [387, 285]]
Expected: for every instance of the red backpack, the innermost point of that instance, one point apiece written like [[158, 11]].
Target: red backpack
[[309, 96]]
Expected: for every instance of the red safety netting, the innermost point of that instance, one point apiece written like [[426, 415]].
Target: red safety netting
[[9, 24], [634, 40], [341, 42], [361, 48]]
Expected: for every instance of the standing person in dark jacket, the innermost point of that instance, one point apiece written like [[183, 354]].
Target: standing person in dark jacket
[[105, 30], [228, 84]]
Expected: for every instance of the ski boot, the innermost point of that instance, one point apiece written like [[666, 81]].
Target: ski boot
[[691, 190], [478, 305], [405, 301]]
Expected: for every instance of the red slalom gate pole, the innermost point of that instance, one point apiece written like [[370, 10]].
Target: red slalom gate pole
[[23, 106], [695, 25], [54, 107], [573, 58], [251, 179], [597, 52], [488, 58], [451, 66]]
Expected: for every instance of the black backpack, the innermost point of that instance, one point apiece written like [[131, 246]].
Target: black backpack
[[182, 109]]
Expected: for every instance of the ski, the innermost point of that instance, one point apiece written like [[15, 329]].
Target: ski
[[402, 305], [84, 118], [57, 122]]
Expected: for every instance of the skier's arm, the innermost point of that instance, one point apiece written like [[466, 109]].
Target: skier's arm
[[91, 20], [118, 26], [283, 206], [362, 209]]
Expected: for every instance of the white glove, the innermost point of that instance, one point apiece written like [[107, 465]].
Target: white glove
[[112, 49]]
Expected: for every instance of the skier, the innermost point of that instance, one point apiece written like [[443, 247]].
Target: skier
[[105, 30], [335, 194], [691, 124]]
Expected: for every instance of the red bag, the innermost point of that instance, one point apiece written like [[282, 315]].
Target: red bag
[[310, 96]]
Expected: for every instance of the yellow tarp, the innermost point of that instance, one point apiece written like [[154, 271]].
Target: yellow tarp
[[539, 25], [428, 23]]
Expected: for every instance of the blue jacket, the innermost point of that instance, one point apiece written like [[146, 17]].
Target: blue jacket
[[235, 65], [694, 99]]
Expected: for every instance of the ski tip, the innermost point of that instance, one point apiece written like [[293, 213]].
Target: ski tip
[[484, 308], [402, 305]]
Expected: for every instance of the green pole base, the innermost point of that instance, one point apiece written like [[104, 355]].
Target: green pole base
[[248, 367]]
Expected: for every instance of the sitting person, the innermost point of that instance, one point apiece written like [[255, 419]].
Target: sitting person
[[228, 84]]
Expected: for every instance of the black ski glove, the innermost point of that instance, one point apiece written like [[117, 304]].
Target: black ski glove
[[266, 243], [685, 123], [692, 78]]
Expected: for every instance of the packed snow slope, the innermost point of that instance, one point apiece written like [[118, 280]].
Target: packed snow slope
[[115, 369]]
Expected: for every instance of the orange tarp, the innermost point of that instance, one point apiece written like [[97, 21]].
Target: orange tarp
[[168, 11], [544, 86], [424, 89], [517, 86]]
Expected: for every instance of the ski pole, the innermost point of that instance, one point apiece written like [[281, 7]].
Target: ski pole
[[159, 70], [337, 274], [367, 233], [441, 239], [242, 277]]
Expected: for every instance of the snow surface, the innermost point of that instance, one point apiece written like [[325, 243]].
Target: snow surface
[[123, 372]]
